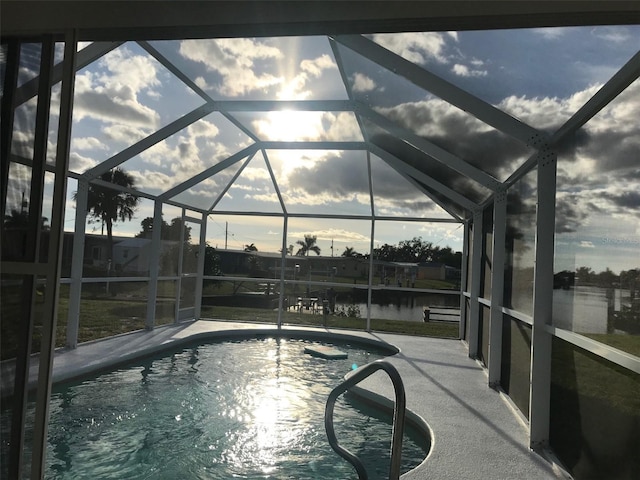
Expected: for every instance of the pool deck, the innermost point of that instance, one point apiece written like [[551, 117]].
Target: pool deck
[[476, 432]]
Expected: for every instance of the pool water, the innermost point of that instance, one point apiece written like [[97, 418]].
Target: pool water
[[238, 409]]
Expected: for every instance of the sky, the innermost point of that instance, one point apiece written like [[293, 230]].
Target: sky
[[540, 76]]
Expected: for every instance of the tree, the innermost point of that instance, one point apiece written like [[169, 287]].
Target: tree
[[174, 231], [211, 261], [171, 231], [147, 228], [308, 245], [607, 279], [254, 263], [250, 248], [350, 252], [19, 219], [418, 250], [447, 256], [108, 205], [584, 275]]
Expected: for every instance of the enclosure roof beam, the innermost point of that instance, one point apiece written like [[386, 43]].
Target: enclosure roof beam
[[431, 150], [289, 105], [455, 217], [167, 19], [331, 216], [445, 90], [321, 145], [629, 73], [231, 182], [218, 167], [168, 64], [274, 181], [84, 57], [149, 141], [624, 77], [403, 167]]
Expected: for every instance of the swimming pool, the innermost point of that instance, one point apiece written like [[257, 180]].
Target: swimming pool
[[232, 409]]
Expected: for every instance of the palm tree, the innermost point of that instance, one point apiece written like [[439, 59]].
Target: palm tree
[[350, 252], [108, 205], [250, 248], [307, 245]]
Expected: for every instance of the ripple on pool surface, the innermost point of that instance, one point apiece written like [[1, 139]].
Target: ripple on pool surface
[[251, 409]]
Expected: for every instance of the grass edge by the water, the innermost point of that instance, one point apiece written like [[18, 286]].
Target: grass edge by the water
[[404, 327]]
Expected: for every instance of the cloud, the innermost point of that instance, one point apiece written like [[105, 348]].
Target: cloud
[[420, 47], [87, 143], [22, 143], [626, 201], [464, 71], [80, 163], [453, 35], [343, 126], [99, 103], [125, 134], [297, 87], [335, 176], [362, 83], [235, 61], [288, 125], [598, 172], [255, 174], [112, 93], [617, 34], [457, 132], [136, 72], [318, 65], [338, 235], [546, 113], [550, 33], [152, 178], [341, 179], [184, 155]]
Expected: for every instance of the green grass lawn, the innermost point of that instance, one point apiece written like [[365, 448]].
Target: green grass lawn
[[103, 316], [431, 329], [626, 343]]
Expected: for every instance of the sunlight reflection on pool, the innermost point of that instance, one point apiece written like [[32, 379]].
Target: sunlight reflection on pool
[[250, 409]]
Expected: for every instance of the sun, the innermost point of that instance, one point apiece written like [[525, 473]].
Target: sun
[[290, 126]]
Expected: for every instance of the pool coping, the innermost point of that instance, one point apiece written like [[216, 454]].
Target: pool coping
[[70, 365], [474, 430]]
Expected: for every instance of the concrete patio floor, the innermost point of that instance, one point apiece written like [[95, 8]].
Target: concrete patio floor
[[476, 432]]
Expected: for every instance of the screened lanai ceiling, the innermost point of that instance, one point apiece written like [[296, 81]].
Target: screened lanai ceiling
[[423, 125]]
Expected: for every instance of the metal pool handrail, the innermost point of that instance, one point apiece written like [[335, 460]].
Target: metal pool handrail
[[398, 417]]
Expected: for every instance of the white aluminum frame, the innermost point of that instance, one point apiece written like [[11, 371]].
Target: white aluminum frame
[[544, 159]]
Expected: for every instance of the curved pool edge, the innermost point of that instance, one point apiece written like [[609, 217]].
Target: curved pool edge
[[386, 404], [102, 355], [477, 435]]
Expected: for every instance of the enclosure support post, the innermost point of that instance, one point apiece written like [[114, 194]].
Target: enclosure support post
[[77, 259], [283, 266], [176, 314], [30, 273], [497, 287], [201, 257], [373, 231], [464, 286], [154, 265], [541, 339], [48, 344], [12, 66], [476, 267]]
